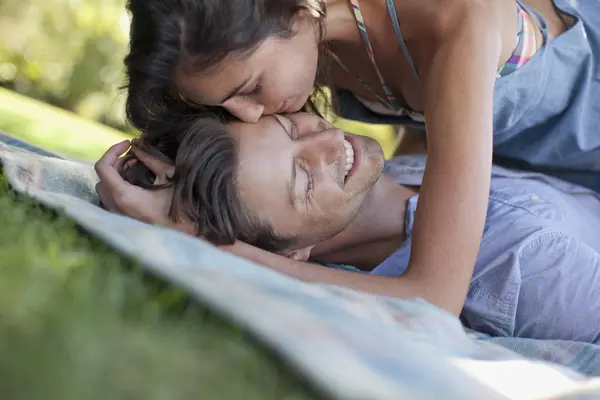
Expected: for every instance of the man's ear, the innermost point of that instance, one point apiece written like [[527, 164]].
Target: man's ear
[[302, 254]]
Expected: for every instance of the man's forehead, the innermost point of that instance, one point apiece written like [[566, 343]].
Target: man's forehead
[[263, 172], [264, 129]]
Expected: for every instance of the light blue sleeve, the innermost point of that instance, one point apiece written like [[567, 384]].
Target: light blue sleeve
[[559, 295]]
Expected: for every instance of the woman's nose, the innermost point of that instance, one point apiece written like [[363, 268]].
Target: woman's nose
[[246, 111]]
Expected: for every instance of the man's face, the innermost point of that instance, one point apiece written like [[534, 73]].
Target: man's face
[[303, 177]]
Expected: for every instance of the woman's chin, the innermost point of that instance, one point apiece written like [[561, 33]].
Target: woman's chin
[[294, 106]]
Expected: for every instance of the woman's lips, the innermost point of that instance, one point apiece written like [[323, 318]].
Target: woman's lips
[[290, 106]]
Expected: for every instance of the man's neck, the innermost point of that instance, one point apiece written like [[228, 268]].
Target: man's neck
[[375, 233]]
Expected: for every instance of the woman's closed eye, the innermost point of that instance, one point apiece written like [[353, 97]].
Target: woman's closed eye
[[254, 92]]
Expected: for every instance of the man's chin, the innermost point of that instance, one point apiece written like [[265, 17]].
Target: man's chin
[[374, 152], [377, 160], [369, 173]]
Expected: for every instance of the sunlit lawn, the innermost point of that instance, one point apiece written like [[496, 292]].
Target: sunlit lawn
[[54, 129]]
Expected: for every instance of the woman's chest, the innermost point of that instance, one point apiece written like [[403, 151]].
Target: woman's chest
[[379, 74]]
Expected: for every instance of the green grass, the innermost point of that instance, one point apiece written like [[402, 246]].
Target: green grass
[[77, 321], [54, 129]]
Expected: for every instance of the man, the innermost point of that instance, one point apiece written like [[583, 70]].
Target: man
[[293, 186]]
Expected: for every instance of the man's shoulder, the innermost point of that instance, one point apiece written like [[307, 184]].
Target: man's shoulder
[[524, 219], [530, 228], [533, 260], [526, 240]]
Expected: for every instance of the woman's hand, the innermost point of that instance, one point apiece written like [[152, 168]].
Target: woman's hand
[[120, 197]]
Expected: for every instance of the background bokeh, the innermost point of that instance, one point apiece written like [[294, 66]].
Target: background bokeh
[[69, 54]]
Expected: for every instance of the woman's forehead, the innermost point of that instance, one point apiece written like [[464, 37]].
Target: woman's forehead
[[213, 85], [230, 73]]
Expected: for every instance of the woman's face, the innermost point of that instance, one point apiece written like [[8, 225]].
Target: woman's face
[[276, 78]]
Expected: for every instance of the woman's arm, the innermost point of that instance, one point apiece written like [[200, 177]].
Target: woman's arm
[[405, 287], [457, 64]]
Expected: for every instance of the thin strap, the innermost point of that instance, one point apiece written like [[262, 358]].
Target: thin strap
[[396, 24], [367, 87], [391, 100], [538, 20], [526, 43]]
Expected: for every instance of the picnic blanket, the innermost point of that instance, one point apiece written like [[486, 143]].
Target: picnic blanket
[[349, 345]]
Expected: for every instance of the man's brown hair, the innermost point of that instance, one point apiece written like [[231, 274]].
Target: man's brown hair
[[204, 183]]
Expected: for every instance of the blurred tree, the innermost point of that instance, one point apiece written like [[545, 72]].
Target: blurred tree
[[66, 52]]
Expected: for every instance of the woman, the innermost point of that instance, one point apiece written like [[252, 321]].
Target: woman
[[472, 67]]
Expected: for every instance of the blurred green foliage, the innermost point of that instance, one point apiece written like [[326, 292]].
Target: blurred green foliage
[[68, 53]]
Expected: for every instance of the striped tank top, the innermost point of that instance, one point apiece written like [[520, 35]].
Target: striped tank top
[[525, 48]]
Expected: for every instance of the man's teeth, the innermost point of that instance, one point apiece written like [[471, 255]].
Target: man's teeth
[[349, 156]]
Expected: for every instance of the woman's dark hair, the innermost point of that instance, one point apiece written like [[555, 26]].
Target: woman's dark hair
[[200, 33], [204, 183]]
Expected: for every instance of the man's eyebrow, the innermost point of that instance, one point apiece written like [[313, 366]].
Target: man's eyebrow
[[235, 90], [292, 184]]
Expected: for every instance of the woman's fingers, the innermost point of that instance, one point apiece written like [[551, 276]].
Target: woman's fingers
[[106, 200], [131, 162], [159, 167], [118, 165], [106, 166], [119, 196], [112, 189]]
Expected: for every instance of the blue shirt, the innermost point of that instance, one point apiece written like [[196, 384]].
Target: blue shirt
[[537, 273]]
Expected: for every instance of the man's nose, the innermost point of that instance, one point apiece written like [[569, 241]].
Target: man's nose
[[326, 146]]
